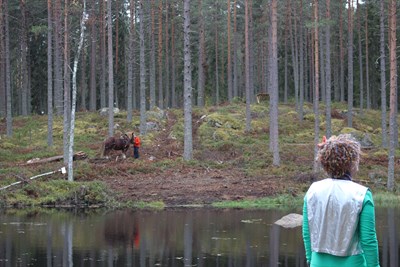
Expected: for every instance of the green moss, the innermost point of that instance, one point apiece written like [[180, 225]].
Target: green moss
[[280, 202]]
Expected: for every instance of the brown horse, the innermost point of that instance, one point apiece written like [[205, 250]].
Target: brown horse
[[116, 143]]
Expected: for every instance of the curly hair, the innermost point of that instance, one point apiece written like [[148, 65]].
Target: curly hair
[[339, 155]]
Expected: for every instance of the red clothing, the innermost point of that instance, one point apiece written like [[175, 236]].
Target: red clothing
[[136, 141]]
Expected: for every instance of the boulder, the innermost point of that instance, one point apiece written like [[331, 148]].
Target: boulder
[[291, 220], [104, 111]]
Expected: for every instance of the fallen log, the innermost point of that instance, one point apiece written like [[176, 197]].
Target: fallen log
[[77, 156], [62, 170]]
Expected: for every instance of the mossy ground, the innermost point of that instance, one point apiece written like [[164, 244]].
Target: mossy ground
[[222, 148]]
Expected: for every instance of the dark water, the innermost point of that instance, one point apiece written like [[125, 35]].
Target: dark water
[[199, 237]]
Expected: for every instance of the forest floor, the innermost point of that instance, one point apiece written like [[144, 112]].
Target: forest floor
[[228, 166]]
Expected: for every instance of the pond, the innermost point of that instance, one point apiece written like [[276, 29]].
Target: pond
[[178, 237]]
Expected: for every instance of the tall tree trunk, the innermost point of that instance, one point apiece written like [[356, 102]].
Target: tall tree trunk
[[8, 69], [322, 66], [160, 57], [24, 65], [251, 51], [188, 142], [393, 92], [74, 93], [173, 59], [350, 65], [167, 94], [49, 74], [235, 47], [301, 65], [93, 46], [247, 66], [295, 54], [67, 84], [367, 61], [131, 61], [110, 71], [316, 85], [287, 23], [216, 54], [360, 59], [201, 61], [3, 97], [328, 70], [83, 80], [152, 58], [275, 85], [103, 55], [58, 86], [229, 70], [341, 47], [142, 71], [383, 73]]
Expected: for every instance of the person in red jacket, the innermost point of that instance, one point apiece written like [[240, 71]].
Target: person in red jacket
[[136, 145]]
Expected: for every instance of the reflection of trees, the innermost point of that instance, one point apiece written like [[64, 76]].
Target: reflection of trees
[[188, 241], [274, 245], [393, 241]]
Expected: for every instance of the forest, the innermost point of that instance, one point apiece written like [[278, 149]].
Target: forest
[[60, 56]]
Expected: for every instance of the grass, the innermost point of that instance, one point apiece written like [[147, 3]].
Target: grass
[[220, 133]]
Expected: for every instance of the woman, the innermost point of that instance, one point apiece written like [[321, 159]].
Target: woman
[[338, 214]]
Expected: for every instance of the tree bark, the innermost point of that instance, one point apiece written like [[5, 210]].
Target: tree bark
[[360, 58], [301, 65], [216, 37], [110, 71], [383, 73], [142, 71], [103, 55], [3, 95], [201, 60], [8, 69], [188, 142], [24, 65], [367, 61], [152, 58], [341, 47], [49, 73], [328, 70], [58, 86], [173, 59], [93, 46], [131, 59], [229, 70], [350, 65], [393, 92], [160, 57], [247, 66], [316, 85], [295, 54], [83, 81], [74, 93], [167, 94], [67, 84], [274, 98], [235, 47]]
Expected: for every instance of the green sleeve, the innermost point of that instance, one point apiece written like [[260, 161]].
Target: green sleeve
[[369, 242], [306, 233]]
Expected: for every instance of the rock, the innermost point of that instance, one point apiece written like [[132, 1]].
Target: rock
[[366, 142], [152, 126], [156, 114], [104, 111], [291, 220]]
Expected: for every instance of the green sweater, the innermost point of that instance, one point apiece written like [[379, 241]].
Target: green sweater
[[368, 241]]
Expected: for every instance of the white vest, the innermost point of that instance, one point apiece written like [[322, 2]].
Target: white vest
[[333, 208]]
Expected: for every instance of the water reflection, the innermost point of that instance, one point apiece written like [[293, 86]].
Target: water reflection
[[166, 238]]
